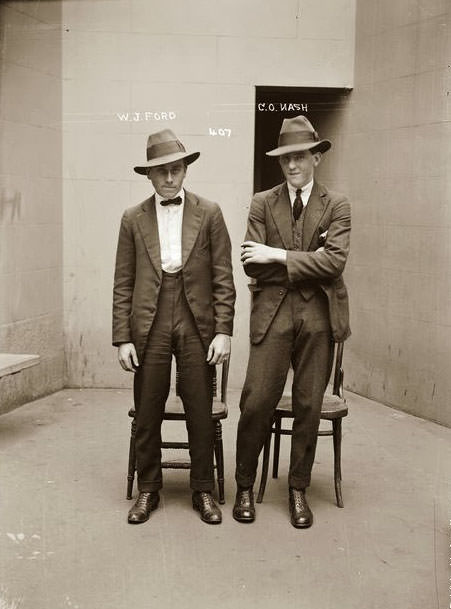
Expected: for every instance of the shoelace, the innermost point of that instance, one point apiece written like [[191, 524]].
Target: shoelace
[[298, 500], [246, 496], [207, 499], [142, 500]]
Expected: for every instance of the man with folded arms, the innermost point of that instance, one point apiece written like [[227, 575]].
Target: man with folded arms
[[296, 247], [173, 295]]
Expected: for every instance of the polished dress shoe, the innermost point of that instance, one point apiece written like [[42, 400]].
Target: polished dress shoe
[[146, 503], [205, 504], [301, 514], [244, 509]]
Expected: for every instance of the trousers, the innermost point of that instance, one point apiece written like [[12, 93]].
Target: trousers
[[299, 335], [174, 332]]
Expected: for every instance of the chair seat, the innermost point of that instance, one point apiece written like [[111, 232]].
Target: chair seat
[[333, 407], [174, 410]]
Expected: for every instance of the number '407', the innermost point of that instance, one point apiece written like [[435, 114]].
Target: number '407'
[[220, 131]]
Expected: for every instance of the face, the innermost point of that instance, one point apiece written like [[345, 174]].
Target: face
[[167, 179], [298, 167]]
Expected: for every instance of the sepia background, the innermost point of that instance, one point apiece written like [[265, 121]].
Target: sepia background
[[72, 70], [82, 84]]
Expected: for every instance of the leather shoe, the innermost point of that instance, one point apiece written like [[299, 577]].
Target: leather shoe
[[301, 514], [205, 504], [244, 509], [146, 503]]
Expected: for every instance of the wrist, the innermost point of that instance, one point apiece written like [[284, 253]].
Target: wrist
[[280, 256]]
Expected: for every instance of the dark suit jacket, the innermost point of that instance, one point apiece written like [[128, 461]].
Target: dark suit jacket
[[270, 223], [207, 271]]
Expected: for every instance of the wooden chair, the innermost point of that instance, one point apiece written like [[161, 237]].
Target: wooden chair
[[174, 412], [333, 409]]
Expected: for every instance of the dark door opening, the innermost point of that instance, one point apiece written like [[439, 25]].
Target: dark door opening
[[322, 106]]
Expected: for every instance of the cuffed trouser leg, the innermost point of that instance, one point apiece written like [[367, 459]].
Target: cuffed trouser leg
[[196, 392], [151, 388], [312, 359], [300, 333], [266, 374]]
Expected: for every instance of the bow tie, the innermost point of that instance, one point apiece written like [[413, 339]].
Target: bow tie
[[175, 201]]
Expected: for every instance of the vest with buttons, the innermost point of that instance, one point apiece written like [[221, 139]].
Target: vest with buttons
[[306, 288]]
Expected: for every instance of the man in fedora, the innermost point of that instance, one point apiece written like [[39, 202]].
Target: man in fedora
[[296, 247], [173, 294]]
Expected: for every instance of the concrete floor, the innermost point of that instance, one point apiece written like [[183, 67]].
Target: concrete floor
[[65, 542]]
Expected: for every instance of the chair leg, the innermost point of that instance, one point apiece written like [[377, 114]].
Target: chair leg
[[131, 461], [275, 461], [336, 425], [219, 456], [265, 467]]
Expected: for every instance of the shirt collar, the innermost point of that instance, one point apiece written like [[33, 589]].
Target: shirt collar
[[305, 195], [181, 194]]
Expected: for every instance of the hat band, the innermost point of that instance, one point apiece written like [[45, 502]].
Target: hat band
[[163, 148], [298, 137]]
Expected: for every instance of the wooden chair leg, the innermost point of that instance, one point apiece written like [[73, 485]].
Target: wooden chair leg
[[275, 459], [219, 456], [265, 467], [336, 425], [131, 461]]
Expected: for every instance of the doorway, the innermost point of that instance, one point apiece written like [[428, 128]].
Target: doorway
[[322, 106]]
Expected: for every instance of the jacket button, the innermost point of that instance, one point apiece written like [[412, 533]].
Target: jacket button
[[281, 292]]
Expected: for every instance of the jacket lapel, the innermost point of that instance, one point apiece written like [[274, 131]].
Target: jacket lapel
[[148, 225], [313, 213], [280, 207], [192, 218]]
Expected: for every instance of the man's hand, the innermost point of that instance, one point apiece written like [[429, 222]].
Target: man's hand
[[252, 252], [127, 356], [219, 349]]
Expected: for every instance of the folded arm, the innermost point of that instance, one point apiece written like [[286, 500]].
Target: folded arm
[[267, 263], [260, 261]]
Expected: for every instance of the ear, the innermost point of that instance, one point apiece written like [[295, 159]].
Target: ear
[[317, 158]]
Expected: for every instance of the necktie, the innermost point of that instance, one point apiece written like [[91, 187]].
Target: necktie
[[297, 205], [175, 201]]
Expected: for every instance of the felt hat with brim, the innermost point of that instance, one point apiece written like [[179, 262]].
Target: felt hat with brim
[[164, 147], [297, 134]]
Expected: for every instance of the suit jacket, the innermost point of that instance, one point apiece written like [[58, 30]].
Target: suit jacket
[[207, 271], [270, 222]]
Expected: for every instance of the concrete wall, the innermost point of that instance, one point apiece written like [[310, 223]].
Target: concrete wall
[[396, 140], [200, 60], [31, 196]]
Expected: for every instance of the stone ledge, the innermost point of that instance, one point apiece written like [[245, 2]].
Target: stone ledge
[[10, 363]]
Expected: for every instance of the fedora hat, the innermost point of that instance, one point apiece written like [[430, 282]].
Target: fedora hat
[[298, 134], [164, 147]]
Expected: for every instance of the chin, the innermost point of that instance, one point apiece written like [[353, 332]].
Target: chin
[[297, 183]]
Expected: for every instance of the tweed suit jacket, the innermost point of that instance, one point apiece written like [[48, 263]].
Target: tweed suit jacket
[[270, 222], [207, 271]]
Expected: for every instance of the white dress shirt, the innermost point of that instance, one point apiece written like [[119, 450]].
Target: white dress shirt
[[170, 218], [305, 193]]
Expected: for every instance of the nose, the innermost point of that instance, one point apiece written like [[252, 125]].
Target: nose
[[169, 178], [291, 163]]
